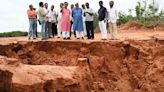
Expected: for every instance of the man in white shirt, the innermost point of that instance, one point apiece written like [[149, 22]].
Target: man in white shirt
[[53, 21], [48, 24], [83, 8], [88, 13], [112, 20]]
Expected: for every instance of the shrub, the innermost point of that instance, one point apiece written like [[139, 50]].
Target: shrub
[[95, 22], [123, 18], [147, 15], [13, 34]]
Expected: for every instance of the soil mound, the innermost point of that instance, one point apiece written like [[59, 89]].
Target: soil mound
[[131, 25], [134, 25]]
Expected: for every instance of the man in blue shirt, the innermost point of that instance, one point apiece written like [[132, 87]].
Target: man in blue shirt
[[102, 14]]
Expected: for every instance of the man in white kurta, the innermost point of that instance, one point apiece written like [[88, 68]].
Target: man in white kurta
[[112, 20]]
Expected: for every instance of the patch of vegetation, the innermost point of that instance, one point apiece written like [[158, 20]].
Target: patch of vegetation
[[13, 34], [95, 22], [123, 18], [147, 14]]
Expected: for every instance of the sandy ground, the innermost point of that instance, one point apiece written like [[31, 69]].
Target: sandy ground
[[123, 35]]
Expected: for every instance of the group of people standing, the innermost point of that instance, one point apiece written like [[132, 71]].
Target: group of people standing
[[78, 21]]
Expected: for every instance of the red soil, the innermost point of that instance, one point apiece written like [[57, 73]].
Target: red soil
[[135, 63]]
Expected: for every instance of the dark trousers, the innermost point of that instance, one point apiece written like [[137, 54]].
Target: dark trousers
[[48, 29], [54, 29], [89, 28], [74, 32]]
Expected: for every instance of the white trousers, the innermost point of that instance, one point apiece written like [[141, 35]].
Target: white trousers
[[59, 24], [79, 34], [59, 33], [103, 29], [113, 31], [66, 34], [85, 31]]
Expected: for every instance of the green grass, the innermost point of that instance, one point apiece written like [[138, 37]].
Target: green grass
[[13, 34]]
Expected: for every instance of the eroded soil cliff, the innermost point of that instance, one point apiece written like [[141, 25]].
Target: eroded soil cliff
[[72, 66]]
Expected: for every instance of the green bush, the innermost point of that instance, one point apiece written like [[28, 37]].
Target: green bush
[[95, 22], [123, 18], [13, 34]]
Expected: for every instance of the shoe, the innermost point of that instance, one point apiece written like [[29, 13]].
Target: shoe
[[89, 38], [82, 38], [103, 39], [64, 38], [68, 38], [116, 39], [77, 38]]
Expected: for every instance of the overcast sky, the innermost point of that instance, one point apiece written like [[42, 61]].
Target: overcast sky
[[13, 12]]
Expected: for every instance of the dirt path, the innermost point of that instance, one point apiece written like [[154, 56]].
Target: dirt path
[[123, 35]]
